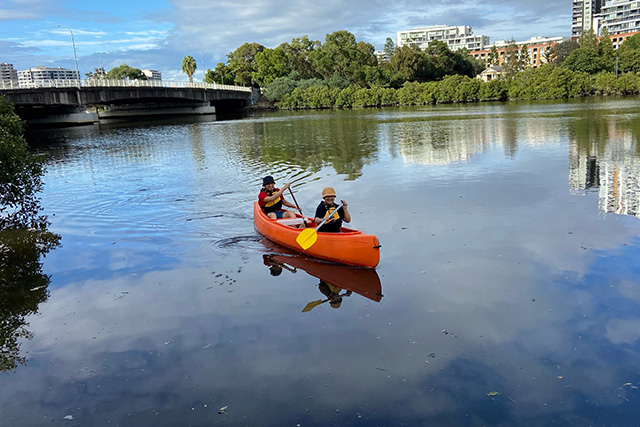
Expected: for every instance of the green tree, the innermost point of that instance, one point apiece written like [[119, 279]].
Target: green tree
[[270, 64], [125, 72], [629, 55], [241, 61], [341, 54], [97, 73], [525, 58], [589, 40], [20, 175], [607, 51], [299, 53], [494, 57], [408, 64], [389, 48], [512, 63], [189, 67], [586, 60], [280, 87], [561, 51], [220, 74]]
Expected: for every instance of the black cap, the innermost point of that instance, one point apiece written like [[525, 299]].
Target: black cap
[[268, 180]]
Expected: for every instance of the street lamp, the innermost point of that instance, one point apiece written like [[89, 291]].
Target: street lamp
[[101, 67], [204, 73], [73, 42], [222, 79]]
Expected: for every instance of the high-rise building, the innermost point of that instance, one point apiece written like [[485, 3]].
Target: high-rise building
[[8, 74], [585, 16], [455, 37], [36, 77], [152, 75], [621, 16]]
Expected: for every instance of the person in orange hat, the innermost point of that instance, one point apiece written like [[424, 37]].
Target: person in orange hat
[[328, 207]]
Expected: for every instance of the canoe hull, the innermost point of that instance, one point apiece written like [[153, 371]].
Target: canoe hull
[[350, 247]]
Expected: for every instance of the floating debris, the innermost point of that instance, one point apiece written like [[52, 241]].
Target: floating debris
[[68, 417], [493, 393]]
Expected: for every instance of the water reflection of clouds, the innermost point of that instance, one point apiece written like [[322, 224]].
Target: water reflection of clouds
[[527, 285]]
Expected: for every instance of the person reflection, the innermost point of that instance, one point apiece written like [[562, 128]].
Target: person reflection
[[334, 297], [275, 266]]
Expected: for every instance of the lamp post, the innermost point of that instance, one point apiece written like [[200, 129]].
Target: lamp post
[[101, 67], [204, 73], [222, 79], [73, 42]]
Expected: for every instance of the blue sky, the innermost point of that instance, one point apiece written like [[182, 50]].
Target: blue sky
[[158, 34]]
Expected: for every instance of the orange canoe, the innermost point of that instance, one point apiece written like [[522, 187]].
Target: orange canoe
[[351, 247]]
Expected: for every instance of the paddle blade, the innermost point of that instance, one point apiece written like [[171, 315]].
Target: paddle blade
[[311, 305], [307, 238]]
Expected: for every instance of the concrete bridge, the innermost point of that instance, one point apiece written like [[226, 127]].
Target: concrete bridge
[[90, 101]]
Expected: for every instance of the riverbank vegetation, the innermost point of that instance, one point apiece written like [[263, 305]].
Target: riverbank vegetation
[[342, 72], [24, 238]]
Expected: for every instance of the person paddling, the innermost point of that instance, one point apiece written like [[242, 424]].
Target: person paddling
[[271, 199], [328, 208]]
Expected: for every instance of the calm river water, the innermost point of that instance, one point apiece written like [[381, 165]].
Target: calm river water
[[508, 291]]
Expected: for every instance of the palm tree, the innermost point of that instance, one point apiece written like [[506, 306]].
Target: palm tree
[[189, 67]]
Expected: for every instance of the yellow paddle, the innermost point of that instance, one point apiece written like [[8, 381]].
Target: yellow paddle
[[313, 304], [308, 236]]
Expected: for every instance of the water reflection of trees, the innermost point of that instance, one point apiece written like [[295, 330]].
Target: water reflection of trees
[[604, 153], [346, 142], [23, 286]]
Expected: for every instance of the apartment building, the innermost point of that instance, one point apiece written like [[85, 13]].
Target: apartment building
[[8, 74], [34, 77], [585, 15], [617, 16], [455, 37], [152, 75], [536, 46], [382, 56], [621, 16]]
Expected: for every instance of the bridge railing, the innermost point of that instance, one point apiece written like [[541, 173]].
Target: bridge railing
[[9, 85]]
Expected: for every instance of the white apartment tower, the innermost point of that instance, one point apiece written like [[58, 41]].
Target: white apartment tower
[[584, 16], [621, 16], [455, 37], [8, 74], [35, 77], [152, 75]]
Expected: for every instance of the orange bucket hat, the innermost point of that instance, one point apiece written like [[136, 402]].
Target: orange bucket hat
[[328, 191]]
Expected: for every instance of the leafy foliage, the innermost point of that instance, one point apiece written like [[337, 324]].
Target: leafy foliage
[[23, 237], [546, 82], [560, 51], [629, 55], [20, 175], [125, 72], [242, 62], [221, 74]]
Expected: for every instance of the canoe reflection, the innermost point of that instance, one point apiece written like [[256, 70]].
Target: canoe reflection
[[336, 281]]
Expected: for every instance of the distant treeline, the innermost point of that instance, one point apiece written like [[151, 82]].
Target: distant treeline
[[547, 82], [343, 73]]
